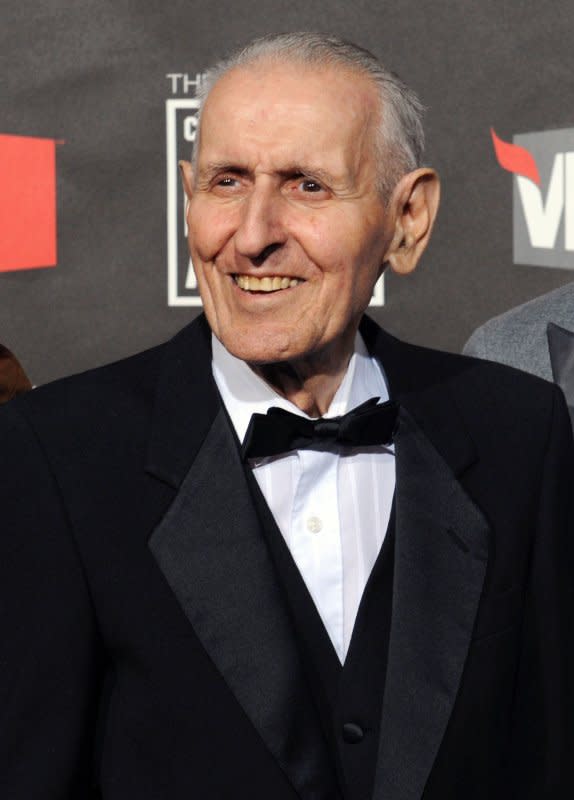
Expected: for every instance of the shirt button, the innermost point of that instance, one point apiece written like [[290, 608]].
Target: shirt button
[[314, 524], [352, 733]]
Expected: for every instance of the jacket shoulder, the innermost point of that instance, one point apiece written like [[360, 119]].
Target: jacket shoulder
[[418, 368], [497, 403], [95, 395], [119, 392]]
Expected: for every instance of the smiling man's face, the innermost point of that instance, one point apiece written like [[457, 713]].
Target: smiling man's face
[[287, 230]]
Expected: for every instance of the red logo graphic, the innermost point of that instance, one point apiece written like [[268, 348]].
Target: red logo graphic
[[515, 159], [27, 203]]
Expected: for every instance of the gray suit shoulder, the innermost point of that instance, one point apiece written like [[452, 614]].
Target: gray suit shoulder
[[518, 337]]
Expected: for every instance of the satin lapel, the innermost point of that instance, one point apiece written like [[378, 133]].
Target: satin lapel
[[440, 564], [211, 550], [561, 348]]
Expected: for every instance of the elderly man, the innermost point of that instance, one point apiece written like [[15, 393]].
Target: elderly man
[[286, 555]]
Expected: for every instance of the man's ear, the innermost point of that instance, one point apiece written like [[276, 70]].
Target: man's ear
[[413, 206], [186, 171]]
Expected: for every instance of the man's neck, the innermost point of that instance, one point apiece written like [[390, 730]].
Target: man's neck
[[309, 383]]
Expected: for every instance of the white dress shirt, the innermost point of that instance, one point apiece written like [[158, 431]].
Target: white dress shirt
[[332, 508]]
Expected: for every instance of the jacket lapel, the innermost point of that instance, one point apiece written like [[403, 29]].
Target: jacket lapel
[[441, 550], [561, 348], [211, 550], [440, 564]]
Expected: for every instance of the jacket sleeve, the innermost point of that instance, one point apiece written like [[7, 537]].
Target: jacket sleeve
[[49, 648], [542, 747]]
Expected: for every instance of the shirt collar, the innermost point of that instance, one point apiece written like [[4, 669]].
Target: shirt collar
[[244, 393]]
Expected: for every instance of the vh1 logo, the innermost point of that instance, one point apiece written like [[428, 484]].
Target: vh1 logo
[[27, 203], [543, 199]]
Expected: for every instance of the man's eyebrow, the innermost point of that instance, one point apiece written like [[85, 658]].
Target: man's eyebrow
[[306, 170], [213, 168], [208, 171]]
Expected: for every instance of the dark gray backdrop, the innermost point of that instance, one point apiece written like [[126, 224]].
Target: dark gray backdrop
[[93, 73]]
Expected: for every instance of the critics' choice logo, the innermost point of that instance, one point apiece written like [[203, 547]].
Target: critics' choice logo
[[27, 203], [543, 199], [181, 126]]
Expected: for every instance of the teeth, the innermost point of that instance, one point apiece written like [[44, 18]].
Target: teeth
[[250, 283]]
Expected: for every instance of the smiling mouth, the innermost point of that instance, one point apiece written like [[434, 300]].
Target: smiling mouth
[[250, 283]]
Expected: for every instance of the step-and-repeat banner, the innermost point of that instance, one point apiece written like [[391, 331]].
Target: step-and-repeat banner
[[98, 103]]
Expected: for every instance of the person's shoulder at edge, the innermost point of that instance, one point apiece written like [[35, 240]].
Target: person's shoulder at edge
[[13, 379], [517, 337]]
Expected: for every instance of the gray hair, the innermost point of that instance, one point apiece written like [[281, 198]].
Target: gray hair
[[400, 140]]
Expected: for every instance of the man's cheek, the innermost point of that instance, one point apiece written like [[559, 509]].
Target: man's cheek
[[201, 247], [207, 235]]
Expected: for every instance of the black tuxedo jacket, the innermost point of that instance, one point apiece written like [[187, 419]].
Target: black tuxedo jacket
[[146, 650]]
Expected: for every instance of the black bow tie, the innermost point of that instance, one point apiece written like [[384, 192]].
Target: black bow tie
[[279, 431]]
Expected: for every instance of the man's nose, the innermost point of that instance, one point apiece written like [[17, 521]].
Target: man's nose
[[261, 229]]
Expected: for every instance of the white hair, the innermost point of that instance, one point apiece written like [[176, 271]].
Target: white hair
[[400, 140]]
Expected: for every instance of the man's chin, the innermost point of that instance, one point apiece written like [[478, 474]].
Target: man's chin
[[260, 356], [262, 348]]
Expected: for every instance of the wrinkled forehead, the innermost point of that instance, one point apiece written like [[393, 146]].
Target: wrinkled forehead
[[285, 106], [293, 77]]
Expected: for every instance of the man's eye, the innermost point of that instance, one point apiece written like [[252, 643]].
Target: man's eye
[[309, 185], [227, 181]]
